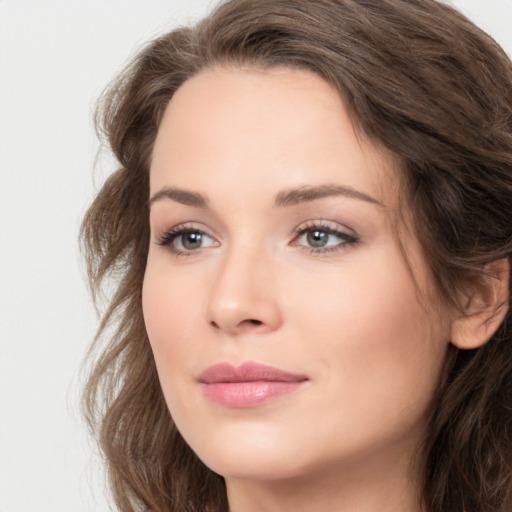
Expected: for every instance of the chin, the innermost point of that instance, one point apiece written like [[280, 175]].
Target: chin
[[248, 452], [254, 466]]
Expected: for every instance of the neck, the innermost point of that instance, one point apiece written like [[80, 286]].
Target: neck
[[370, 486]]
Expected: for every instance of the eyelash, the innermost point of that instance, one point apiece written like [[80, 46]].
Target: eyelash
[[168, 238], [345, 238]]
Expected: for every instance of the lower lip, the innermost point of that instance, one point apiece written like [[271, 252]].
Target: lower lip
[[248, 394]]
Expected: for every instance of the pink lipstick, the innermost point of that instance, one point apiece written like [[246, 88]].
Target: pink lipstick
[[247, 385]]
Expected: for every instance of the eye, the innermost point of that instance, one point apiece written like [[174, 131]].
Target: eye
[[323, 238], [319, 238], [183, 240]]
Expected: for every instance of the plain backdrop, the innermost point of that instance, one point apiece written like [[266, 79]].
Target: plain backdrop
[[55, 58]]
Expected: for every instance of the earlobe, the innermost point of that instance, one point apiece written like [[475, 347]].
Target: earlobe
[[486, 305]]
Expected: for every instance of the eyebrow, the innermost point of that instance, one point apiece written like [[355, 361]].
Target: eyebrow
[[309, 193], [285, 198], [185, 197]]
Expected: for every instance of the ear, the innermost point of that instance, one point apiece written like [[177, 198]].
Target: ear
[[486, 304]]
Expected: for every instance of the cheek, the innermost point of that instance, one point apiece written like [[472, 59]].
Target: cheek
[[363, 304], [171, 300], [171, 310], [378, 346], [171, 315]]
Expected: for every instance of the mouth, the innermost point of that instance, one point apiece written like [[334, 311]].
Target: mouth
[[247, 385]]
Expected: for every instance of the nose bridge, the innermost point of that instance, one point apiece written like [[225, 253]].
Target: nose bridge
[[241, 296]]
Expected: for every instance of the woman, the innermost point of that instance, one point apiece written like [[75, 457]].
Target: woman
[[310, 239]]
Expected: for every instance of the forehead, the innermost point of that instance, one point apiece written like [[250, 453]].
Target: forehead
[[280, 126]]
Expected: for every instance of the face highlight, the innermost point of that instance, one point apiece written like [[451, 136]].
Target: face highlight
[[287, 329]]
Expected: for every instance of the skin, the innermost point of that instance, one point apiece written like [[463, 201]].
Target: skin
[[354, 319]]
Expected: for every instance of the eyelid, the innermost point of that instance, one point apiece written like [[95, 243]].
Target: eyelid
[[183, 227], [327, 225]]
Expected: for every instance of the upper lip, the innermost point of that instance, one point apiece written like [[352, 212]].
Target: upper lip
[[247, 372]]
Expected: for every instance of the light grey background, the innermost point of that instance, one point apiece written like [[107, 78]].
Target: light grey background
[[55, 58]]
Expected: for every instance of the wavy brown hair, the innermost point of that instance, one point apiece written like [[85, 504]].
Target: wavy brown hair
[[417, 77]]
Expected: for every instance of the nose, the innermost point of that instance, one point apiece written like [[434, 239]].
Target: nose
[[244, 295]]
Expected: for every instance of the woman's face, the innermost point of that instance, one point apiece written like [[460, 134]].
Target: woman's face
[[273, 244]]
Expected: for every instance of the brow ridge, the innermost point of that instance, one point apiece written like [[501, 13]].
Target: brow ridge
[[284, 198], [185, 197], [310, 193]]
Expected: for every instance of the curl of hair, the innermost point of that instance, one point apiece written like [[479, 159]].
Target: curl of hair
[[417, 77]]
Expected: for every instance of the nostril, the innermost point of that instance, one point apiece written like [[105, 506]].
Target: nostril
[[248, 324], [244, 324]]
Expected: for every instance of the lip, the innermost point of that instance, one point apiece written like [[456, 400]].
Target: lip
[[247, 385]]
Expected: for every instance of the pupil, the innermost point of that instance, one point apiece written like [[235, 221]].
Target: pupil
[[192, 240], [317, 238]]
